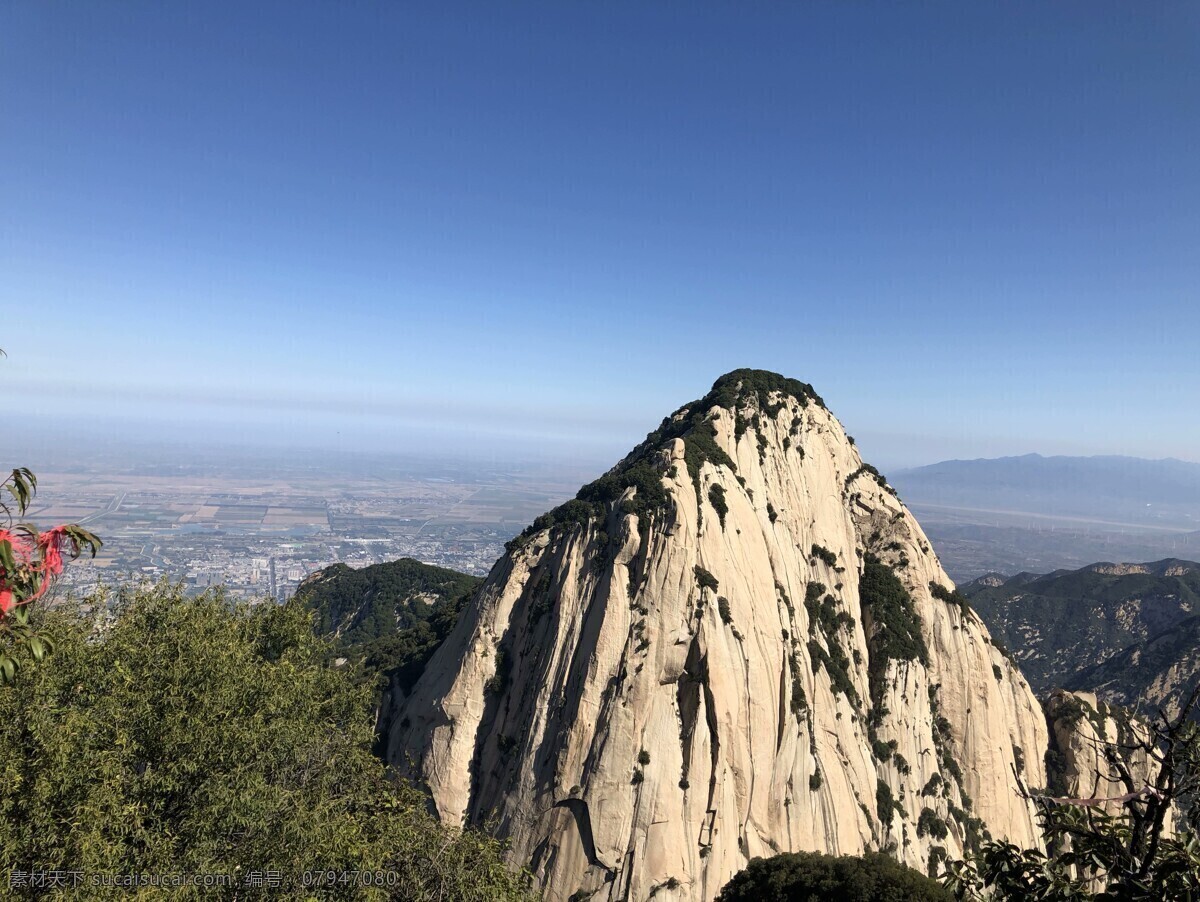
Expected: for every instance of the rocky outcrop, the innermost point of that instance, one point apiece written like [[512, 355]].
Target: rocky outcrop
[[1084, 735], [736, 643]]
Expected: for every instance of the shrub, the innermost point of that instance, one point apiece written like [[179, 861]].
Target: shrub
[[937, 858], [885, 803], [705, 579], [1131, 855], [956, 598], [29, 562], [498, 681], [723, 609], [813, 877], [799, 702], [716, 497], [196, 736], [739, 387], [591, 501], [896, 626], [825, 619], [929, 824], [867, 469], [836, 665], [821, 553]]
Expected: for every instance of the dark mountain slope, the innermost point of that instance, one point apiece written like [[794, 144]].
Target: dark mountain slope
[[360, 606], [1154, 673], [1060, 624]]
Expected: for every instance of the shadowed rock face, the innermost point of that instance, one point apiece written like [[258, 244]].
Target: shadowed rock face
[[736, 655]]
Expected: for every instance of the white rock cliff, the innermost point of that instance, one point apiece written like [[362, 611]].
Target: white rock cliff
[[737, 643]]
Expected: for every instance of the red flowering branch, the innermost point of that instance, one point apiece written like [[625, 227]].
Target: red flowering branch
[[29, 561]]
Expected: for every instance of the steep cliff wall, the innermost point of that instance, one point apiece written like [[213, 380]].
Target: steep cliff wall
[[737, 643]]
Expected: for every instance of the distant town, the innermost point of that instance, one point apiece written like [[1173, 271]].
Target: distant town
[[258, 521], [258, 530]]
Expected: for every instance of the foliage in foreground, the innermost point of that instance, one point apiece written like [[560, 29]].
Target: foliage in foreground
[[193, 737], [29, 562], [1132, 856], [805, 876]]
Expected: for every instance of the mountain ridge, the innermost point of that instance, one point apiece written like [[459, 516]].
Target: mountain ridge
[[1153, 492], [1061, 623], [1155, 673], [1041, 513]]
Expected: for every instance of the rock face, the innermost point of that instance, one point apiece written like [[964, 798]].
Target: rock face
[[736, 643], [1082, 730]]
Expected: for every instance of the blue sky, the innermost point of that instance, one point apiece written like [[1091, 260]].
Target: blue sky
[[975, 228]]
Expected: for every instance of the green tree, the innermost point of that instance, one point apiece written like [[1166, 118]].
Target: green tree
[[193, 736], [359, 606], [813, 877]]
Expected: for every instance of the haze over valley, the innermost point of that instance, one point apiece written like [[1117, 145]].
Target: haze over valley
[[1038, 514], [257, 523], [259, 519]]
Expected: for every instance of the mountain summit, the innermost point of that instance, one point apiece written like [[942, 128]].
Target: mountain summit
[[735, 643]]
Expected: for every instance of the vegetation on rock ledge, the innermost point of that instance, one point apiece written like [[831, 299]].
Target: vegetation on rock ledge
[[895, 632], [692, 424], [813, 877]]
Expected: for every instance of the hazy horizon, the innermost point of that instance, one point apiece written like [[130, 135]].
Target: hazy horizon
[[78, 438]]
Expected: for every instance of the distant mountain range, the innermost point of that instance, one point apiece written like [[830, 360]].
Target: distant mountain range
[[1121, 491], [1047, 513], [1125, 631]]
